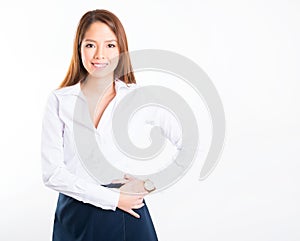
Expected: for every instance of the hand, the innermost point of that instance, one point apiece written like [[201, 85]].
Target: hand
[[132, 195], [133, 186], [123, 180], [129, 202]]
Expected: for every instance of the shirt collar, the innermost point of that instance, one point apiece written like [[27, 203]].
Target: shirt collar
[[76, 90], [120, 84]]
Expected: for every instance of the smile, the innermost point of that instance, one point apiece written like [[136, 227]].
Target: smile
[[100, 65]]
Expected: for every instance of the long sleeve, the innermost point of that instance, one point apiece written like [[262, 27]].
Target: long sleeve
[[170, 128], [55, 173]]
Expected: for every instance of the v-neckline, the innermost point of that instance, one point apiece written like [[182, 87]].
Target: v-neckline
[[96, 124], [96, 127]]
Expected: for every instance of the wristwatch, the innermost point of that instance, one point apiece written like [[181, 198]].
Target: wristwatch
[[149, 186]]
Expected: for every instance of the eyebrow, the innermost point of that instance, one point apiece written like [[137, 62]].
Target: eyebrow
[[91, 40]]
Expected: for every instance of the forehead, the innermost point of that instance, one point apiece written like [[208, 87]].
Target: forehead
[[99, 31]]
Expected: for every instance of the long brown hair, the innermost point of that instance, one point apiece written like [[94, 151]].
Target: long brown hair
[[76, 71]]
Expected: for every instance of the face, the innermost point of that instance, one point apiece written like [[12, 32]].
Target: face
[[99, 51]]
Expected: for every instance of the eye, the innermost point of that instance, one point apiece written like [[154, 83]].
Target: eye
[[90, 46], [111, 45]]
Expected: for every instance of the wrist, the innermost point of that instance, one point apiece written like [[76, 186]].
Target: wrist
[[149, 185]]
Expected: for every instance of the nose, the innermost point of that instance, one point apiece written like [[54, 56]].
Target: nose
[[99, 53]]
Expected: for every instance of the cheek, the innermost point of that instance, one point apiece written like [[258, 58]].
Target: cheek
[[114, 53], [86, 55], [114, 57]]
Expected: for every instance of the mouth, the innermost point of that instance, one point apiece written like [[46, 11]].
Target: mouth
[[100, 65]]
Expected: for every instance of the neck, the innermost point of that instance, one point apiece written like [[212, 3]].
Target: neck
[[99, 85]]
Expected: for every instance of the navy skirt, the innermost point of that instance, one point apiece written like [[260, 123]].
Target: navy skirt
[[78, 221]]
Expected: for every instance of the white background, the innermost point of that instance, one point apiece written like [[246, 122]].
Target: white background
[[250, 49]]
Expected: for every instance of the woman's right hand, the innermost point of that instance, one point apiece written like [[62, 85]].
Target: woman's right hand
[[132, 195], [128, 202]]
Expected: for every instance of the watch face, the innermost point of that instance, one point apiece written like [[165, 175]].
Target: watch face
[[149, 186]]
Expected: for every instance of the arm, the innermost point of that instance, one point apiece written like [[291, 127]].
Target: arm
[[55, 173], [170, 128]]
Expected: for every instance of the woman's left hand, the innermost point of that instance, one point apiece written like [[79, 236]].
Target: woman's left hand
[[133, 186]]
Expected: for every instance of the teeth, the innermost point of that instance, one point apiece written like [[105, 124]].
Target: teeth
[[100, 65]]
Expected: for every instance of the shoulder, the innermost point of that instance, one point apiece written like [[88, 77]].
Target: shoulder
[[59, 96], [121, 84], [68, 90], [123, 88]]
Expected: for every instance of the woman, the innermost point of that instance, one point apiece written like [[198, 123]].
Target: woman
[[87, 211]]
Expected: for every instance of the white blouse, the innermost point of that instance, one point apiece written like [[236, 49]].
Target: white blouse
[[61, 165]]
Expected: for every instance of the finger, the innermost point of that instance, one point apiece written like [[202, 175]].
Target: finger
[[133, 213], [120, 181], [138, 206], [128, 177], [144, 193], [138, 202]]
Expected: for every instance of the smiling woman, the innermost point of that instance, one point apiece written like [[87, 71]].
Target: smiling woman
[[115, 30], [86, 210], [100, 50]]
